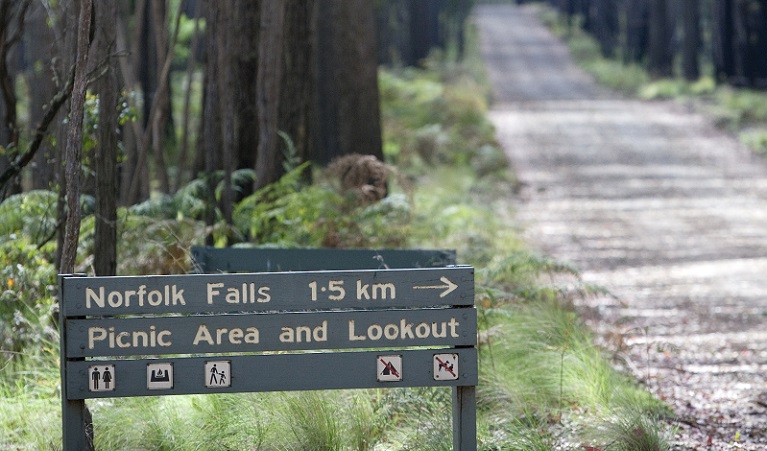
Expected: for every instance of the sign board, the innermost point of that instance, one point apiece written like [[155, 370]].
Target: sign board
[[214, 259], [233, 333], [260, 292], [275, 372], [290, 331]]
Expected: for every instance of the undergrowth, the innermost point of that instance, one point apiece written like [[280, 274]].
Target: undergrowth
[[543, 384]]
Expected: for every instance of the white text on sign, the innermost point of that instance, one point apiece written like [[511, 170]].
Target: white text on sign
[[203, 336]]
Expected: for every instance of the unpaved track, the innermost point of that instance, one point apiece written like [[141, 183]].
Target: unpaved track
[[653, 203]]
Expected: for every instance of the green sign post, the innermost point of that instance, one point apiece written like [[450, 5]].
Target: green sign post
[[215, 333]]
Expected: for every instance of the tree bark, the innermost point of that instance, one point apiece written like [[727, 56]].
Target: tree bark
[[637, 30], [105, 240], [605, 26], [269, 78], [75, 140], [225, 58], [722, 45], [210, 130], [183, 163], [691, 39], [11, 28], [349, 109], [424, 29], [298, 94], [660, 55], [39, 73]]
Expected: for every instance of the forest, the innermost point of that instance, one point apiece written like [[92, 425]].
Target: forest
[[301, 78], [725, 39], [231, 94], [132, 130]]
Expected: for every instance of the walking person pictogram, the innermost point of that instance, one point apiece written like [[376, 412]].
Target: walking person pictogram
[[213, 374], [218, 373]]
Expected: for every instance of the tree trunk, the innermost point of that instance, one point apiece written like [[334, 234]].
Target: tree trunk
[[105, 164], [393, 25], [66, 40], [604, 25], [691, 39], [134, 185], [424, 28], [660, 55], [749, 44], [183, 159], [349, 110], [11, 28], [269, 78], [210, 132], [39, 74], [637, 30], [722, 45], [298, 94], [162, 125], [74, 140], [225, 57]]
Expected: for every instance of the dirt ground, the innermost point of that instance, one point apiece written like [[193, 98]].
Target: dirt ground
[[655, 204]]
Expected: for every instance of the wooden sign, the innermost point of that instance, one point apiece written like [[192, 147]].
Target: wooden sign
[[214, 259], [232, 293], [217, 333], [211, 334]]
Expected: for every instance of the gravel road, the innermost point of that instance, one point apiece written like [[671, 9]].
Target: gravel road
[[652, 202]]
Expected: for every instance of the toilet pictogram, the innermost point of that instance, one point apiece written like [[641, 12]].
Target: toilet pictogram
[[101, 378]]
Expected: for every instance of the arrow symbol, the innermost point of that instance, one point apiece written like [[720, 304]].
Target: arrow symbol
[[449, 287]]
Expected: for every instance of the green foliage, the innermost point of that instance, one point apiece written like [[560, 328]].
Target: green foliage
[[756, 140], [30, 407], [677, 88], [736, 109], [311, 417], [27, 273], [430, 121], [289, 214], [32, 214]]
